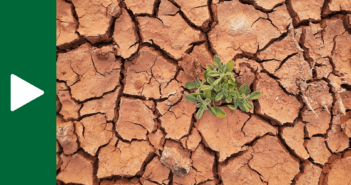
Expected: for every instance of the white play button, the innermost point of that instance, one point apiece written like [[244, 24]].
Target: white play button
[[22, 92]]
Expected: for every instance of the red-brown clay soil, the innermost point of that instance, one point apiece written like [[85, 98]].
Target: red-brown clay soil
[[121, 113]]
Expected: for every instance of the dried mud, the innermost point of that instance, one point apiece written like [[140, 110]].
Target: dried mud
[[121, 113]]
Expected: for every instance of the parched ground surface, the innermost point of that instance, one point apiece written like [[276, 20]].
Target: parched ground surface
[[121, 113]]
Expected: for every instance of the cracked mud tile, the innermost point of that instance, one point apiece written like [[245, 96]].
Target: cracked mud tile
[[340, 171], [274, 102], [294, 138], [318, 95], [243, 63], [324, 68], [88, 73], [238, 172], [337, 6], [203, 162], [95, 18], [256, 127], [157, 139], [177, 121], [193, 140], [77, 169], [173, 35], [341, 57], [241, 28], [167, 8], [176, 158], [65, 136], [317, 121], [320, 38], [225, 135], [191, 69], [147, 73], [202, 55], [164, 106], [133, 181], [280, 18], [307, 10], [141, 6], [125, 35], [345, 122], [267, 5], [135, 120], [123, 158], [93, 132], [337, 139], [245, 76], [147, 182], [318, 150], [196, 11], [346, 99], [281, 49], [105, 105], [310, 175], [66, 25], [294, 70], [273, 161], [69, 107], [58, 158], [156, 172]]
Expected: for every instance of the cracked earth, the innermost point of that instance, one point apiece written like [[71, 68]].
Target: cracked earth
[[121, 113]]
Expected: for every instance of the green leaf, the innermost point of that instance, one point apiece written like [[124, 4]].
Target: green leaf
[[217, 62], [191, 98], [243, 107], [255, 95], [232, 107], [205, 74], [206, 87], [209, 68], [229, 99], [248, 105], [207, 94], [218, 80], [244, 89], [200, 112], [210, 80], [217, 88], [199, 99], [219, 96], [207, 101], [219, 112], [198, 82], [212, 110], [190, 85], [213, 73], [230, 66]]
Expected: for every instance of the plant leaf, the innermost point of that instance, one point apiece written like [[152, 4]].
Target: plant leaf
[[207, 94], [198, 82], [212, 110], [191, 98], [210, 80], [255, 95], [213, 73], [206, 87], [230, 66], [205, 74], [217, 62], [219, 96], [190, 85], [229, 99], [248, 105], [200, 112], [243, 107], [209, 68], [207, 101], [199, 99], [218, 80], [219, 112], [232, 107], [244, 89]]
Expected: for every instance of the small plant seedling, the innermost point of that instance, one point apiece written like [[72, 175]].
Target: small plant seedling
[[219, 84]]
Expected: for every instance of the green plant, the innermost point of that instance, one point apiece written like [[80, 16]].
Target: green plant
[[218, 84]]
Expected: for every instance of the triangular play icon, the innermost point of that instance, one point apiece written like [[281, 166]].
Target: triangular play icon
[[22, 92]]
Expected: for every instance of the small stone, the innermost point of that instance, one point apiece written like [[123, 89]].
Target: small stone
[[155, 171], [318, 150], [77, 169], [66, 25], [187, 179], [106, 105], [203, 162], [125, 35], [135, 119], [294, 138], [310, 175], [308, 10], [173, 35], [196, 11], [337, 139], [280, 18], [141, 7], [340, 172], [316, 123], [123, 159], [65, 136], [176, 158], [294, 70], [93, 132], [274, 102], [273, 161]]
